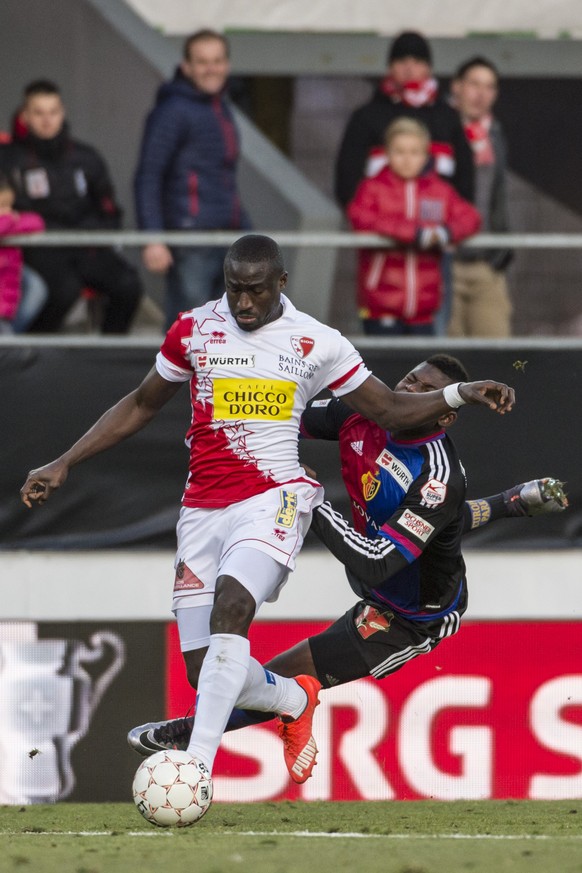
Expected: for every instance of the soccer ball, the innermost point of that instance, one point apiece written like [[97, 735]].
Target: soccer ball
[[172, 789]]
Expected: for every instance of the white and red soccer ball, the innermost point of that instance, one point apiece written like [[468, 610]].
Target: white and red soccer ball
[[172, 789]]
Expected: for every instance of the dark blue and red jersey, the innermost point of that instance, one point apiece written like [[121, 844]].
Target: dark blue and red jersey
[[407, 496]]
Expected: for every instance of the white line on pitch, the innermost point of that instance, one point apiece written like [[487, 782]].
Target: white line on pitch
[[411, 836], [348, 835], [86, 834]]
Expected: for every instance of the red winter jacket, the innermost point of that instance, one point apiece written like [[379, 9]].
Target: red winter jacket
[[405, 283], [11, 259]]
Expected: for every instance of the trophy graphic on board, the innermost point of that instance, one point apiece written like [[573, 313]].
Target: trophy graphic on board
[[47, 700]]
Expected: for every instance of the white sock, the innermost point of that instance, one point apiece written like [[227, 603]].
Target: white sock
[[223, 674], [269, 692]]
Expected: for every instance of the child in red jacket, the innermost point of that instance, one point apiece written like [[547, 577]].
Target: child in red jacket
[[11, 258], [399, 290]]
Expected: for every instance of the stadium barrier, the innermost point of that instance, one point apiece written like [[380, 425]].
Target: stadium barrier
[[309, 239]]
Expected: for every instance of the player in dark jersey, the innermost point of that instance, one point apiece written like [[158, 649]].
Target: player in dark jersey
[[403, 556]]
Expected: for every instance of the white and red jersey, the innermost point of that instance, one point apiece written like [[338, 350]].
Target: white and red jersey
[[248, 392]]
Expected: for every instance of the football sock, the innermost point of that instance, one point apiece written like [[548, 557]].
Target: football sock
[[222, 677], [269, 692], [240, 718]]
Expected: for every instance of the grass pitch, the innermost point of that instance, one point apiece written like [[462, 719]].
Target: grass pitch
[[410, 837]]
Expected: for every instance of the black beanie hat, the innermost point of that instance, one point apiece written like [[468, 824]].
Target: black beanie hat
[[410, 45]]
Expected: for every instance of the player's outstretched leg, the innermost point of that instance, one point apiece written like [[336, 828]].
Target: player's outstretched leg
[[299, 746]]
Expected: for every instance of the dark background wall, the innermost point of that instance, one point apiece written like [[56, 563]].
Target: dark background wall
[[129, 496]]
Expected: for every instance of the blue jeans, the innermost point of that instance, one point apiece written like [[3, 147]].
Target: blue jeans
[[34, 295], [196, 276]]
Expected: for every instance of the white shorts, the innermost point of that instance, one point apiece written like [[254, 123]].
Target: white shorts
[[258, 572], [274, 523]]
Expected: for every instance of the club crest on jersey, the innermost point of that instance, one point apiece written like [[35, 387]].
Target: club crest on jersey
[[433, 492], [415, 525], [185, 579], [370, 621], [302, 345], [288, 509], [395, 468], [370, 486]]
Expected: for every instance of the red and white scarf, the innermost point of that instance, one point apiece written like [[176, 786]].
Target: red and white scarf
[[479, 137], [411, 93]]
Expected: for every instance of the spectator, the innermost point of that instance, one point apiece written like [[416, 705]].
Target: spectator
[[67, 182], [481, 305], [408, 89], [186, 177], [12, 222], [399, 290], [33, 288]]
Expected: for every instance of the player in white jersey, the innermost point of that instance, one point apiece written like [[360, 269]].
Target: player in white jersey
[[253, 361]]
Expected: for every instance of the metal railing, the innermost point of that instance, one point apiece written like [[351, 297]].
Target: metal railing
[[309, 239]]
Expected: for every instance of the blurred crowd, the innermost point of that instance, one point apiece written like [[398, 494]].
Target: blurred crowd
[[422, 168]]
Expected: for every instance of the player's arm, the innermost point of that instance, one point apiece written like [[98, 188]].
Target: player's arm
[[401, 410], [537, 497], [400, 541], [324, 419], [127, 417]]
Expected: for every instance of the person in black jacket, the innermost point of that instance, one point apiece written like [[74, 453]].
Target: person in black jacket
[[186, 175], [68, 184], [408, 89]]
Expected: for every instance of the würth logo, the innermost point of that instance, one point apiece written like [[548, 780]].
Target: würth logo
[[302, 345], [203, 362]]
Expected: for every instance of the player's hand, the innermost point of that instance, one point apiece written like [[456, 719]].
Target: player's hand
[[537, 497], [41, 483], [498, 396], [157, 258]]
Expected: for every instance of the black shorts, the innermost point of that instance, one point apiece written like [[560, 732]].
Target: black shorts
[[371, 641]]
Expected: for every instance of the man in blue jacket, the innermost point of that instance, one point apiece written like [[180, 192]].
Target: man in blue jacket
[[186, 177]]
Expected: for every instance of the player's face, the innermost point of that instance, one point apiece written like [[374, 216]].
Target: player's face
[[476, 93], [44, 115], [425, 377], [406, 70], [407, 155], [207, 66], [253, 292]]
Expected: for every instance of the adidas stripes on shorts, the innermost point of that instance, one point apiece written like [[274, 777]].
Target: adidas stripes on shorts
[[370, 640]]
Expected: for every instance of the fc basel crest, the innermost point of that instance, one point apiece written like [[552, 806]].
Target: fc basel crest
[[302, 345], [370, 486]]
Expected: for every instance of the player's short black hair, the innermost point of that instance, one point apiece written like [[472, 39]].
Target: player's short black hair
[[254, 248], [450, 366], [41, 86], [476, 61], [204, 35]]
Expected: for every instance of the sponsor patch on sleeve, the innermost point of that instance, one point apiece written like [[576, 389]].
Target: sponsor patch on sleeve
[[415, 525], [433, 492]]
